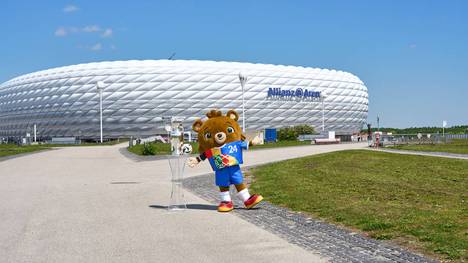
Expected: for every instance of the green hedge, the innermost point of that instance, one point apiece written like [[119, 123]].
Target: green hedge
[[291, 133]]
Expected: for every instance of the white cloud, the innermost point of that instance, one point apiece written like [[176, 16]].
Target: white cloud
[[70, 8], [61, 32], [96, 47], [91, 29], [64, 31], [107, 33]]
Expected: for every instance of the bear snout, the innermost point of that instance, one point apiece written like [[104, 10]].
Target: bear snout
[[220, 137]]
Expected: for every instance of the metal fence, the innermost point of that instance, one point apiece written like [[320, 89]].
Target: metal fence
[[420, 138], [457, 136]]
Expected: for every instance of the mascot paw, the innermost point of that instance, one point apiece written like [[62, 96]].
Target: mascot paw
[[256, 140], [192, 162], [225, 206]]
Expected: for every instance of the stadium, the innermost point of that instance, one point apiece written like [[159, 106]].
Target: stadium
[[139, 95]]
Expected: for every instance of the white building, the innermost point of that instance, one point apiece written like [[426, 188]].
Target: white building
[[64, 101]]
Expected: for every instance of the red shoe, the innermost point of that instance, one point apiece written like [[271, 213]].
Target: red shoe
[[253, 201], [225, 206]]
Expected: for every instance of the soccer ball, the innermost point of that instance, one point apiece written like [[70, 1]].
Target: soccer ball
[[186, 148]]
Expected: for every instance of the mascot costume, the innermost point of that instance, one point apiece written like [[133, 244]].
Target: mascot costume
[[221, 141]]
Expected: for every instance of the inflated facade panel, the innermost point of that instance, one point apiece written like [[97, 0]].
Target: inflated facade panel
[[138, 94]]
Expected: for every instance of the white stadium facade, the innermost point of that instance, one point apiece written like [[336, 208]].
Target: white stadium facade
[[139, 94]]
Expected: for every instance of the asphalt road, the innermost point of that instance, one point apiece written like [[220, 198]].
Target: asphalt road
[[93, 204]]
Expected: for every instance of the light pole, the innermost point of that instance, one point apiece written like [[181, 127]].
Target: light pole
[[378, 124], [444, 124], [322, 95], [35, 133], [243, 80], [100, 86]]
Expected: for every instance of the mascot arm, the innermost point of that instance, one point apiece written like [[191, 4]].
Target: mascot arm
[[201, 157], [255, 141], [196, 160]]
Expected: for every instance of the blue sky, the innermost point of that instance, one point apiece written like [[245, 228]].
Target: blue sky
[[412, 55]]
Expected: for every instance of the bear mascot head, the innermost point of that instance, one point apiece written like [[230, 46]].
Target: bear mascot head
[[218, 130]]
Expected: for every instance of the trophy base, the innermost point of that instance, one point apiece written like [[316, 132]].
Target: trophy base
[[174, 208]]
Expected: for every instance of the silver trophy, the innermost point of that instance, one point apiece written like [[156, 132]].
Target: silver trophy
[[177, 163]]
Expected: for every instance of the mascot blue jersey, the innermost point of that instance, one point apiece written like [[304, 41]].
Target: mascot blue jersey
[[227, 155]]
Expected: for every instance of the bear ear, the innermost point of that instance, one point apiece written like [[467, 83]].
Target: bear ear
[[213, 114], [196, 126], [233, 115]]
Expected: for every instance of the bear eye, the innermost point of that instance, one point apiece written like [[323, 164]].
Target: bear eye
[[207, 135], [230, 130]]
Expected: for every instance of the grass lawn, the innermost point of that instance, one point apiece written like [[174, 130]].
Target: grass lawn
[[416, 201], [165, 148], [12, 149], [455, 146], [105, 143]]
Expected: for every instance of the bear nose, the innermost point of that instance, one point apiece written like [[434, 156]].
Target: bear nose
[[219, 135]]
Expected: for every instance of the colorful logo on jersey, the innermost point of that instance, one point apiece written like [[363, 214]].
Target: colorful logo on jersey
[[220, 160]]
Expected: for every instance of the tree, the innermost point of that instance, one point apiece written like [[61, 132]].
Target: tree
[[148, 149], [291, 133]]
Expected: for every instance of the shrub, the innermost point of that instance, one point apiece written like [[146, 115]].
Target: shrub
[[291, 133], [148, 149]]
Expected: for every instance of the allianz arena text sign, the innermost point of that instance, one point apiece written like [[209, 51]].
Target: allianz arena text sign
[[293, 94]]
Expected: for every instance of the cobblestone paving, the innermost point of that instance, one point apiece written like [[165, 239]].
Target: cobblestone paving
[[328, 240]]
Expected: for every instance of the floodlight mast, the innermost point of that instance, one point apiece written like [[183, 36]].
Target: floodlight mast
[[172, 56], [243, 80], [322, 95], [100, 86], [378, 124], [444, 124]]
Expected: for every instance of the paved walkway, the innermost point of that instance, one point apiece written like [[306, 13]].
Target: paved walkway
[[434, 154], [93, 204]]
